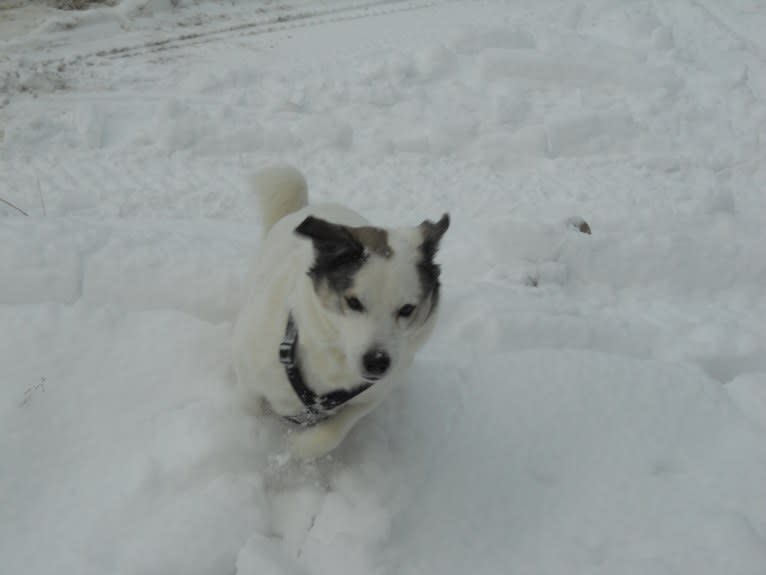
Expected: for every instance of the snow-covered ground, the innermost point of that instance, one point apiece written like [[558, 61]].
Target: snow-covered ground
[[588, 404]]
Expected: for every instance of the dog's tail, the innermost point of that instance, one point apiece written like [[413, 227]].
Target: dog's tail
[[281, 190]]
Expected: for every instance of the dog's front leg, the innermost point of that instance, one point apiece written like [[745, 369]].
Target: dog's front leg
[[323, 437]]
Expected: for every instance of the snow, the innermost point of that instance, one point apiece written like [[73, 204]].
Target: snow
[[588, 403]]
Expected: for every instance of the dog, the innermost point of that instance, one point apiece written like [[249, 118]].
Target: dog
[[335, 311]]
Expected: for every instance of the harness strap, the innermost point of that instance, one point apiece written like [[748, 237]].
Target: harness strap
[[317, 407]]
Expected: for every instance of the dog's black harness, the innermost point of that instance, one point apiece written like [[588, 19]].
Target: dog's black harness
[[318, 407]]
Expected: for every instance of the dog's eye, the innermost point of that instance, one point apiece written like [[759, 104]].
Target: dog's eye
[[406, 310], [354, 304]]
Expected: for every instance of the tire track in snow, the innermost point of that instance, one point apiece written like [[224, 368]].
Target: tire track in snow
[[267, 22], [746, 42]]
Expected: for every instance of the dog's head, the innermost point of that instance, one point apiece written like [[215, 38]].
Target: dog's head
[[378, 287]]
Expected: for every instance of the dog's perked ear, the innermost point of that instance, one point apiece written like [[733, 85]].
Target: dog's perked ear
[[428, 270], [432, 235], [330, 240], [335, 246]]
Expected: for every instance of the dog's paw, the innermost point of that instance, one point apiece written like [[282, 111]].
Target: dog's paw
[[313, 442]]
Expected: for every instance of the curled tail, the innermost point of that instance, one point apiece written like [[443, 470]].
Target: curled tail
[[281, 190]]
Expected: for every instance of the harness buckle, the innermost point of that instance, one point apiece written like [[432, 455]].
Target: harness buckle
[[287, 347], [287, 353]]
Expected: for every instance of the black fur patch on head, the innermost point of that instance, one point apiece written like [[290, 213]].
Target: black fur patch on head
[[339, 255], [428, 270]]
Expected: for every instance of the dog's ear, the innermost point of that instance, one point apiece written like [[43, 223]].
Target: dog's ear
[[432, 235], [334, 243]]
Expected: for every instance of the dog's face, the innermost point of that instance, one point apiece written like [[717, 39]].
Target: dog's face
[[379, 288]]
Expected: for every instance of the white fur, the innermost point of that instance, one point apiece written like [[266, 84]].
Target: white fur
[[331, 341], [281, 190]]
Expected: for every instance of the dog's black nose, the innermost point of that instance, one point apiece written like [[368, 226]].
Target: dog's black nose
[[376, 362]]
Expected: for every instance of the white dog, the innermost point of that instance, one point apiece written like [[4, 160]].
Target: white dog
[[336, 310]]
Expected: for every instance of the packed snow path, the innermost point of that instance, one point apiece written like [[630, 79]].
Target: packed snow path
[[588, 404]]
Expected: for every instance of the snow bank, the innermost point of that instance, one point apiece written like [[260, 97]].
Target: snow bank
[[558, 460]]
